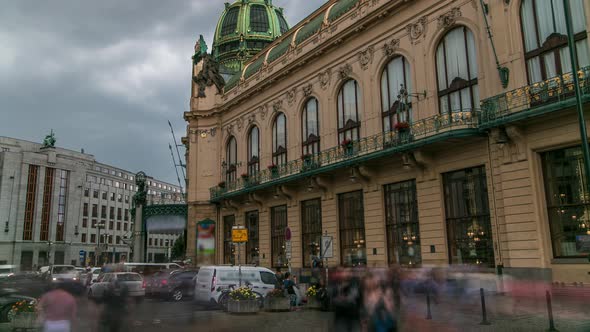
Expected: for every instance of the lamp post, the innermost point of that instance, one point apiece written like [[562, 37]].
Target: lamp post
[[574, 61], [98, 256]]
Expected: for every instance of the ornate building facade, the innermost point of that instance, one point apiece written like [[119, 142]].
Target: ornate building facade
[[406, 133]]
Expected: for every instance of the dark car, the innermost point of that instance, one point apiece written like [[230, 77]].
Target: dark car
[[9, 297], [174, 285]]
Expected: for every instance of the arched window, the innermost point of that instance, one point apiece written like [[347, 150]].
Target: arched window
[[456, 66], [310, 127], [545, 37], [395, 77], [231, 159], [253, 151], [279, 140], [348, 111]]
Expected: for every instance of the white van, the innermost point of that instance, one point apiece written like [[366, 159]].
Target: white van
[[212, 280]]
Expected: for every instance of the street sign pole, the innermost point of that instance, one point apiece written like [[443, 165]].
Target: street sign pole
[[239, 236]]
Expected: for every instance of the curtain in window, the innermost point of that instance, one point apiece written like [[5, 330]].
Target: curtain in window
[[253, 151], [310, 127], [279, 133], [349, 99]]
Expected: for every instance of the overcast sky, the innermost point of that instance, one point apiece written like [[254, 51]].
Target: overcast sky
[[106, 75]]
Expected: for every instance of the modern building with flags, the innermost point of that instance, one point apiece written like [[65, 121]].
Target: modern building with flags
[[419, 133]]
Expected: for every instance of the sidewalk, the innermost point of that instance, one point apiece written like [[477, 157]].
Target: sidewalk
[[504, 313]]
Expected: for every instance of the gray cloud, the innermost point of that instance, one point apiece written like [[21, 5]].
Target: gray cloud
[[106, 75]]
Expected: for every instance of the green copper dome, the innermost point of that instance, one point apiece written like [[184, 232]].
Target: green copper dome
[[244, 28]]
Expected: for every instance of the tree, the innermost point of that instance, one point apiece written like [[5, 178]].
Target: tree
[[178, 250]]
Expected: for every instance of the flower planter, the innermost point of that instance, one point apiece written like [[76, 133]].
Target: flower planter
[[24, 321], [277, 304], [274, 173], [243, 306]]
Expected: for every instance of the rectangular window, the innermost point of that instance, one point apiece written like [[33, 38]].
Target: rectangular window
[[150, 242], [161, 242], [85, 210], [112, 196], [119, 214], [119, 198], [126, 215], [126, 198], [352, 229], [111, 225], [94, 222], [110, 183], [401, 222], [252, 246], [84, 223], [118, 239], [278, 226], [118, 226], [86, 192], [94, 210], [31, 199], [228, 247], [92, 238], [83, 238], [64, 177], [311, 231], [112, 212], [104, 195], [46, 207], [103, 211], [469, 230], [95, 194], [568, 202], [110, 239], [125, 226]]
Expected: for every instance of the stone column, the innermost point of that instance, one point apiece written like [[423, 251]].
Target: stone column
[[138, 236]]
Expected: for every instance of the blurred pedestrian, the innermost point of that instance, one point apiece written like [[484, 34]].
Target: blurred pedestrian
[[289, 286], [347, 302], [58, 310], [280, 277], [115, 308]]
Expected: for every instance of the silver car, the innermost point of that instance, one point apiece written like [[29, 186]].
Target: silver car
[[116, 283]]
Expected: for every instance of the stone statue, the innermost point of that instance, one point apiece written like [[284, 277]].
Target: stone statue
[[209, 73], [208, 76], [49, 141], [140, 196]]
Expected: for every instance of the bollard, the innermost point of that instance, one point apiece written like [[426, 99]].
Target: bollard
[[428, 313], [484, 313], [550, 312]]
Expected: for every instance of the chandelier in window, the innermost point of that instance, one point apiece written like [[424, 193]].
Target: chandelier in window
[[409, 237], [475, 232]]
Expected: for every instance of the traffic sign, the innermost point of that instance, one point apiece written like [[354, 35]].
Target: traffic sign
[[327, 247], [82, 252], [239, 235], [288, 248]]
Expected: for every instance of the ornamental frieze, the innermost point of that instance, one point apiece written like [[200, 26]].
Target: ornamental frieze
[[449, 18], [417, 29], [390, 47], [366, 57], [262, 111]]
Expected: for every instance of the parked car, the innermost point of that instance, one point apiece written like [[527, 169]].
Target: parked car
[[212, 281], [115, 283], [9, 297], [174, 285], [92, 275]]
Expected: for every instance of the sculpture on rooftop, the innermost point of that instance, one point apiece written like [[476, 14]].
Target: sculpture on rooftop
[[49, 141], [209, 74]]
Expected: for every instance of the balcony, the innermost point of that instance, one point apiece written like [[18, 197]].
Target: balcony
[[419, 133], [534, 100]]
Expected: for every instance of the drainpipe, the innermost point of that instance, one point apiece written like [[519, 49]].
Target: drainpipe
[[493, 187]]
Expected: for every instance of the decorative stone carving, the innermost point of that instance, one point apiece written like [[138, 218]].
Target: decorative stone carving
[[240, 123], [418, 29], [250, 119], [290, 96], [345, 71], [262, 111], [390, 47], [229, 129], [307, 90], [449, 18], [277, 105], [366, 57], [325, 78]]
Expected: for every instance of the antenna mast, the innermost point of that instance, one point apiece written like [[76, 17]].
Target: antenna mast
[[180, 164]]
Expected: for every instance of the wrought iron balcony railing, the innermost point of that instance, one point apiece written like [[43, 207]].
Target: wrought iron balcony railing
[[417, 134], [532, 100]]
